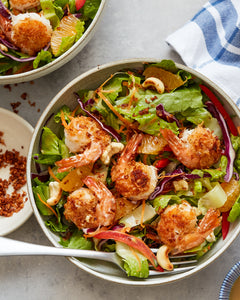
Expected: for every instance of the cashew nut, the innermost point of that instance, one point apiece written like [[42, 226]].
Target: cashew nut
[[180, 185], [163, 259], [111, 149], [211, 237], [154, 82], [55, 193], [3, 48]]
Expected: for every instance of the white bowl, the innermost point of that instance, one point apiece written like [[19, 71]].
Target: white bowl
[[61, 60], [90, 80], [17, 135]]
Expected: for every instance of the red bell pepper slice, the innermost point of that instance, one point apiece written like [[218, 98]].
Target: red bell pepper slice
[[162, 163], [131, 241], [225, 224], [221, 109], [79, 3]]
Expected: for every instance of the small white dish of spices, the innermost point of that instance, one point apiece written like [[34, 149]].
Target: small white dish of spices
[[15, 137]]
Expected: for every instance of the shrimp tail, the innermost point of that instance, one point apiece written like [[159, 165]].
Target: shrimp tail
[[210, 221], [131, 149], [96, 186], [106, 207], [173, 141], [76, 161], [6, 26]]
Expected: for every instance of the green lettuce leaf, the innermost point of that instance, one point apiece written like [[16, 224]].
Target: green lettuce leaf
[[77, 241], [235, 211], [163, 200], [52, 148], [50, 142], [49, 12], [42, 189], [144, 110], [43, 57], [133, 266], [90, 8], [66, 112]]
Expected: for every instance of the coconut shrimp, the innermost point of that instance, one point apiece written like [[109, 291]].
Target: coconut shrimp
[[83, 136], [91, 207], [178, 228], [196, 149], [29, 32], [23, 5], [133, 180]]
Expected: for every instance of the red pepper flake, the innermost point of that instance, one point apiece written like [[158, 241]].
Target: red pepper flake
[[8, 86], [15, 105], [153, 98], [146, 100], [124, 105], [144, 111], [24, 96], [12, 202], [31, 103]]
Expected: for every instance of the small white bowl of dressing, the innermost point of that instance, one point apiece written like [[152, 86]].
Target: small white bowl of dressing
[[230, 289]]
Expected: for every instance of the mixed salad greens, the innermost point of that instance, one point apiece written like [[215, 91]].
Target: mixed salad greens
[[69, 19], [123, 105]]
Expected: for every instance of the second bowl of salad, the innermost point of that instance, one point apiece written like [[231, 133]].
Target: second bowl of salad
[[39, 36], [140, 158]]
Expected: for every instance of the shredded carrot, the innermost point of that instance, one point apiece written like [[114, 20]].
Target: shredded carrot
[[174, 175], [238, 129], [74, 111], [137, 257], [101, 86], [142, 214], [64, 123], [24, 68], [98, 230], [48, 206], [122, 127], [125, 229], [121, 118], [153, 120], [108, 91], [50, 171], [66, 7]]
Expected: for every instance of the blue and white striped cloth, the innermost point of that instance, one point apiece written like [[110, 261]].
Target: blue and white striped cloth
[[210, 44]]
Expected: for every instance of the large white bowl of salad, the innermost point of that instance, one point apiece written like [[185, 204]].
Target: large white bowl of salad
[[134, 156], [39, 36]]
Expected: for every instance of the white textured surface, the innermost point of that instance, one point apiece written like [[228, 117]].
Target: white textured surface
[[128, 29]]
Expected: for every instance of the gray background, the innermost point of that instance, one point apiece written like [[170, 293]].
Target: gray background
[[128, 29]]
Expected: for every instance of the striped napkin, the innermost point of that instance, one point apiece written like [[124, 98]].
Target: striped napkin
[[210, 44]]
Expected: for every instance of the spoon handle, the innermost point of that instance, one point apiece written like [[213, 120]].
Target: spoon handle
[[9, 247]]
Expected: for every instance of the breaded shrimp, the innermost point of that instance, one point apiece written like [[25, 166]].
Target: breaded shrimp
[[83, 136], [29, 32], [178, 228], [91, 207], [197, 149], [133, 180], [23, 5]]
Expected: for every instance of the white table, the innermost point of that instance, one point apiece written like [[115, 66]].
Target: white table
[[129, 29]]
